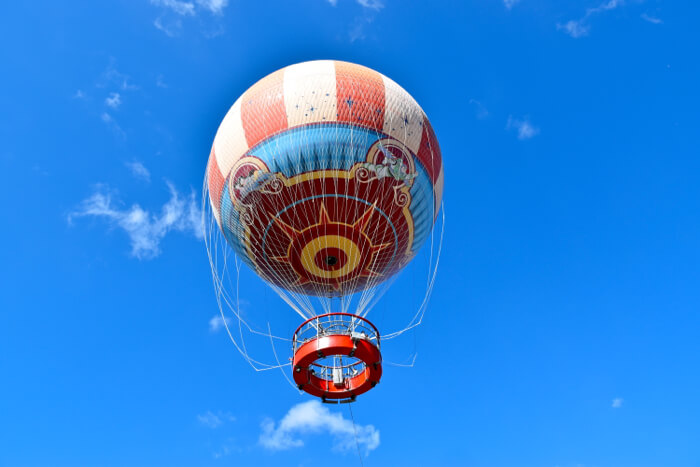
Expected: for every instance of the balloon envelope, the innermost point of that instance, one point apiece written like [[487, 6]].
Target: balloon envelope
[[325, 177]]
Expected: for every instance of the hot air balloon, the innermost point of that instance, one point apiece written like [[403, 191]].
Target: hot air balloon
[[326, 179]]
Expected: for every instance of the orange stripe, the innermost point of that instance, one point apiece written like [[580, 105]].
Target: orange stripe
[[215, 182], [429, 151], [262, 108], [360, 94]]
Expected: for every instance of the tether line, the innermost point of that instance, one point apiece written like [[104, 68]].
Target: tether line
[[354, 429]]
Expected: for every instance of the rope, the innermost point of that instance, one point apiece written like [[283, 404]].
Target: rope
[[344, 150], [354, 429]]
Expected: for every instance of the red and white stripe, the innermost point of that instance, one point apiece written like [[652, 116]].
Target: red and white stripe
[[317, 92]]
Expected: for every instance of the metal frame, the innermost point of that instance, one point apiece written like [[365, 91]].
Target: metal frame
[[336, 356]]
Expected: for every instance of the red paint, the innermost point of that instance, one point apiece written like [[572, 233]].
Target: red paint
[[338, 344], [429, 152], [289, 229], [361, 98], [262, 108], [215, 181]]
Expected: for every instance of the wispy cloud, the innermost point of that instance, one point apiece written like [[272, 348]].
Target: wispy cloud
[[372, 4], [177, 6], [510, 3], [110, 122], [215, 420], [357, 30], [369, 4], [651, 19], [144, 228], [111, 86], [171, 28], [160, 82], [574, 28], [481, 111], [312, 417], [369, 11], [139, 170], [580, 27], [112, 77], [114, 100], [523, 127], [228, 447], [617, 403], [214, 6], [173, 11], [217, 322], [609, 5]]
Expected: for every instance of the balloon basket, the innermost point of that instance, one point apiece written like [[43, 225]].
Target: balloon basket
[[336, 357]]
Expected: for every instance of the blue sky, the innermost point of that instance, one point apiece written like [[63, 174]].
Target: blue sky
[[563, 328]]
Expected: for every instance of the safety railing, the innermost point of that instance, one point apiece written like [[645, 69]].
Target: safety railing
[[330, 324]]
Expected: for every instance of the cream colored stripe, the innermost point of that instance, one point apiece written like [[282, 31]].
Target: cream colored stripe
[[230, 143], [403, 116], [310, 93]]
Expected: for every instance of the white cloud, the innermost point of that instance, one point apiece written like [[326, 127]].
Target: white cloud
[[510, 3], [145, 229], [312, 417], [651, 19], [579, 28], [228, 447], [214, 6], [109, 120], [609, 5], [79, 94], [357, 31], [114, 100], [617, 402], [188, 8], [113, 77], [215, 420], [177, 6], [160, 82], [139, 170], [217, 322], [172, 12], [118, 84], [524, 128], [358, 28], [171, 29], [575, 29], [372, 4], [481, 111]]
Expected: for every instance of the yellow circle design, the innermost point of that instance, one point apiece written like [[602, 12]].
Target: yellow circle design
[[308, 255]]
